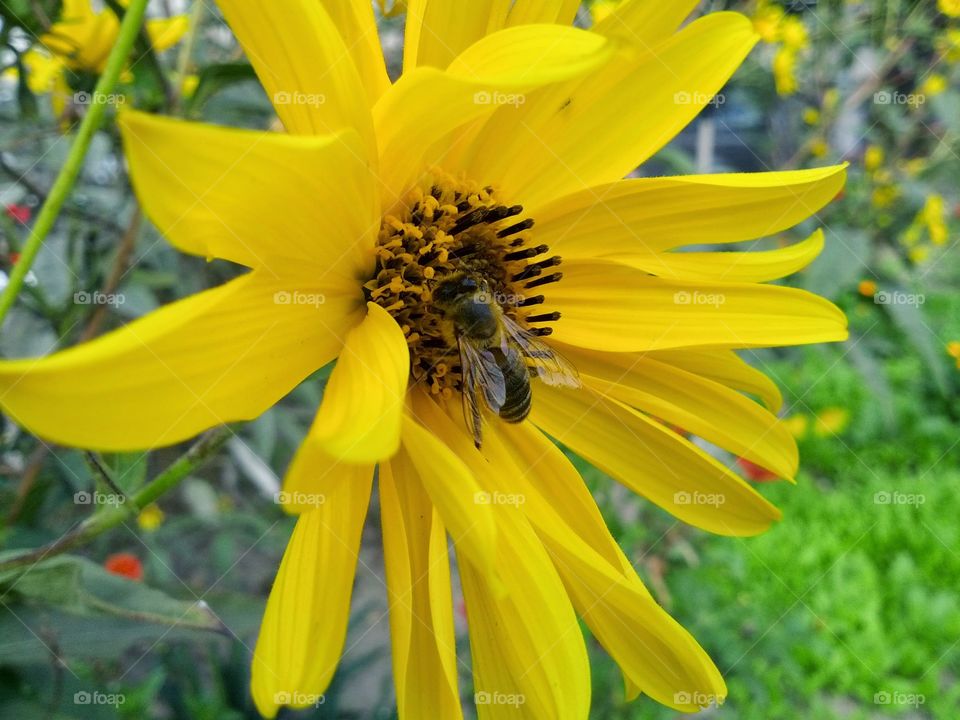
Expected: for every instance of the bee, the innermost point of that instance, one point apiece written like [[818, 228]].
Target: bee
[[497, 356]]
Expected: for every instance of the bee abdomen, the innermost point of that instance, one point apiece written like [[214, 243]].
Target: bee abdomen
[[516, 378]]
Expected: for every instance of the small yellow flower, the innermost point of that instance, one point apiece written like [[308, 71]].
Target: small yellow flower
[[867, 288], [784, 71], [919, 254], [189, 85], [873, 158], [948, 44], [953, 348], [831, 98], [811, 116], [793, 33], [766, 21], [950, 8], [150, 518], [796, 425], [830, 421], [934, 85], [819, 148], [883, 196]]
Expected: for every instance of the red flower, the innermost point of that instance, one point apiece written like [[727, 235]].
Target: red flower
[[125, 564], [20, 213], [756, 472]]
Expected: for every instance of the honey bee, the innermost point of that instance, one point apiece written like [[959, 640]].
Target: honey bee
[[497, 356]]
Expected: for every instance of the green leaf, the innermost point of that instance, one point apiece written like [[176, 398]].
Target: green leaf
[[81, 587], [214, 78]]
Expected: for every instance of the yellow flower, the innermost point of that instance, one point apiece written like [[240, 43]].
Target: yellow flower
[[766, 21], [867, 288], [919, 254], [953, 348], [784, 71], [831, 98], [401, 228], [796, 425], [819, 147], [949, 45], [81, 42], [933, 215], [883, 196], [830, 421], [793, 33], [150, 518], [950, 8], [934, 85], [873, 158], [811, 116]]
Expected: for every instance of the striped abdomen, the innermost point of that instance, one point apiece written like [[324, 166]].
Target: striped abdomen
[[516, 380]]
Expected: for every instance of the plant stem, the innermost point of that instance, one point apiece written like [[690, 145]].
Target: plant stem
[[129, 28], [113, 515]]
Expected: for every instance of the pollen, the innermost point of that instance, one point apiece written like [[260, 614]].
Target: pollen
[[452, 225]]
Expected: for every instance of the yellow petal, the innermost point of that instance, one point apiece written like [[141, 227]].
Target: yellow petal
[[698, 405], [756, 266], [166, 32], [657, 656], [251, 197], [652, 461], [608, 306], [312, 474], [526, 12], [418, 590], [643, 23], [454, 492], [304, 65], [42, 71], [581, 134], [725, 367], [427, 104], [527, 649], [222, 355], [358, 28], [360, 418], [649, 215], [438, 30], [305, 623]]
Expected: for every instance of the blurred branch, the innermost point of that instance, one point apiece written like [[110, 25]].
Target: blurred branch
[[113, 515], [129, 30]]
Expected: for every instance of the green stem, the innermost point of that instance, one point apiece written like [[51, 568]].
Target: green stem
[[113, 515], [129, 28]]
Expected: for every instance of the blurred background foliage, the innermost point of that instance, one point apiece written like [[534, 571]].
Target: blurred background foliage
[[847, 609]]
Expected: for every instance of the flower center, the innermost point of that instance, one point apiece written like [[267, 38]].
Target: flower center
[[453, 228]]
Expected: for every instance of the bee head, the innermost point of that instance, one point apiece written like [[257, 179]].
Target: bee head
[[455, 289]]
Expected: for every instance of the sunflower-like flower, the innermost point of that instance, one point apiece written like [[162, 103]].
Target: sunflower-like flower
[[80, 42], [500, 150]]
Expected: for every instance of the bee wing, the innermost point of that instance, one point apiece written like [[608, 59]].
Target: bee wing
[[479, 369], [550, 366]]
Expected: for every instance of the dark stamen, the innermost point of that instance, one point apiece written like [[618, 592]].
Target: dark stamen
[[516, 227], [545, 317], [545, 280], [526, 253], [534, 300], [541, 332]]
